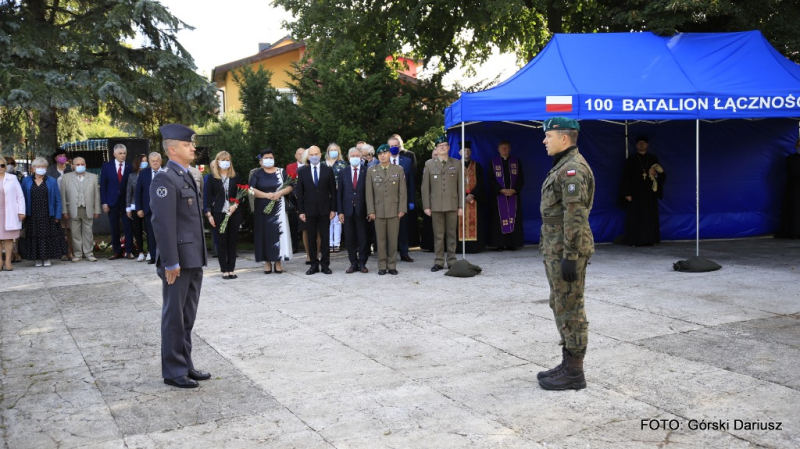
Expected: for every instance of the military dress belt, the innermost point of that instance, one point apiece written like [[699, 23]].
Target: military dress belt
[[553, 221]]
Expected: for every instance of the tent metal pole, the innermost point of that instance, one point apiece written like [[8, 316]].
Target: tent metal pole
[[697, 189], [626, 139], [463, 198]]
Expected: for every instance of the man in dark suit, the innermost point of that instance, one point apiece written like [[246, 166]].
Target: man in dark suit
[[351, 203], [178, 226], [113, 185], [142, 201], [316, 204], [408, 168]]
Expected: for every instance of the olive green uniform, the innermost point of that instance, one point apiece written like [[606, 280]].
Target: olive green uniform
[[441, 193], [567, 197], [386, 197]]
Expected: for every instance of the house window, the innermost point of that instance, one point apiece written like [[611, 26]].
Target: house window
[[288, 93]]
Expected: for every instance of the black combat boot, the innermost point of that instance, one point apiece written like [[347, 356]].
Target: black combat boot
[[569, 377], [542, 374]]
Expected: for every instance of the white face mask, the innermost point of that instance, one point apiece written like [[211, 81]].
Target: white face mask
[[224, 165], [41, 171], [268, 162], [11, 168]]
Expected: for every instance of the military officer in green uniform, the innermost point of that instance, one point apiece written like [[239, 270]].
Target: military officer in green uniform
[[441, 195], [386, 205], [566, 243]]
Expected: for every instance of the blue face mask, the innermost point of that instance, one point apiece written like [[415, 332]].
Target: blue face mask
[[314, 159], [355, 161], [80, 168], [333, 154], [268, 162], [394, 150], [143, 165], [41, 171]]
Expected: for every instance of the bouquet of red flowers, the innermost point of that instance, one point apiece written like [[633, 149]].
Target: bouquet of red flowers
[[291, 178], [243, 190]]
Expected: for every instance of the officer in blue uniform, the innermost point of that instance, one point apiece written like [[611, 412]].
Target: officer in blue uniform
[[181, 255]]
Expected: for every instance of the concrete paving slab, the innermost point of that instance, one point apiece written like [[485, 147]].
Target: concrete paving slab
[[415, 360]]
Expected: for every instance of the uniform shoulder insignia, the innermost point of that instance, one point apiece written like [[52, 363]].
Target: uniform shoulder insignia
[[572, 172], [161, 192]]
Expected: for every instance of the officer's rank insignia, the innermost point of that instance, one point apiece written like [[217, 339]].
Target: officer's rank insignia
[[161, 192], [571, 172]]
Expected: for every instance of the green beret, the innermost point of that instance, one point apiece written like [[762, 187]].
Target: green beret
[[382, 149], [442, 139], [560, 123]]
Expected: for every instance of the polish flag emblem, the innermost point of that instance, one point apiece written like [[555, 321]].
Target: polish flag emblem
[[558, 103]]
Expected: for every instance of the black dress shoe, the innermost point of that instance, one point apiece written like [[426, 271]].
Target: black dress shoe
[[364, 270], [393, 272], [196, 374], [308, 262], [327, 270], [351, 270], [225, 277], [381, 272], [151, 261], [233, 276], [436, 268], [182, 382], [406, 258], [312, 270], [511, 248], [115, 256]]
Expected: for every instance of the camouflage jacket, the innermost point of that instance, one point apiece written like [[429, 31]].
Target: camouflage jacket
[[567, 197]]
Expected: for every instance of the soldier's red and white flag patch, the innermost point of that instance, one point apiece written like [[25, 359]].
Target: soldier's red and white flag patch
[[571, 172]]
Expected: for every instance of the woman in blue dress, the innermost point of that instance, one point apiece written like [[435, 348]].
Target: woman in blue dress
[[273, 242]]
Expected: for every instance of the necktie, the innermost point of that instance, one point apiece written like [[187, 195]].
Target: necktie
[[355, 178], [316, 180], [119, 172], [394, 161]]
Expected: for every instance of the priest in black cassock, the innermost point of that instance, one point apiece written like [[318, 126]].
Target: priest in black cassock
[[789, 227], [642, 186], [505, 204]]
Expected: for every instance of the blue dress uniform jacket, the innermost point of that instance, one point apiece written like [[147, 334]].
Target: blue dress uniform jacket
[[177, 220], [178, 226]]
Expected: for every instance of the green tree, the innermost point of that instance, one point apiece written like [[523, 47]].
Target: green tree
[[58, 55], [344, 99], [457, 32], [271, 118]]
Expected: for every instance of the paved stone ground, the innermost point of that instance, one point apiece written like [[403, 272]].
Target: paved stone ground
[[415, 360]]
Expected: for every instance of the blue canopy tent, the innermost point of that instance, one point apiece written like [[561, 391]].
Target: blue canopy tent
[[654, 85]]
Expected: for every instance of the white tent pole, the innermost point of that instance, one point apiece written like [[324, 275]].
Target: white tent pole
[[626, 139], [463, 199], [697, 188]]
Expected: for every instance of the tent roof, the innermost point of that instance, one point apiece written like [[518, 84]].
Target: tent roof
[[641, 76]]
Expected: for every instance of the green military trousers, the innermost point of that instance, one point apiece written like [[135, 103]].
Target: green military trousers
[[566, 301]]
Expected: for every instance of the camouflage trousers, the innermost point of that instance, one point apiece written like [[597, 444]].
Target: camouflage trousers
[[566, 301]]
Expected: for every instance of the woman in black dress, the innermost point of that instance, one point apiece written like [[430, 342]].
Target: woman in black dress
[[272, 240], [43, 233], [221, 188]]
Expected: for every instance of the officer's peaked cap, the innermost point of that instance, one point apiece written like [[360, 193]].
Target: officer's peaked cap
[[176, 131]]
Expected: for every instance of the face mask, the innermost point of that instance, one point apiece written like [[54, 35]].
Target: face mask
[[80, 168], [224, 165], [61, 159], [333, 154], [11, 168], [394, 150], [314, 159], [268, 162], [41, 171], [355, 161], [143, 165]]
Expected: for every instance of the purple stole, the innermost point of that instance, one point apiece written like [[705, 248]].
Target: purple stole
[[506, 205]]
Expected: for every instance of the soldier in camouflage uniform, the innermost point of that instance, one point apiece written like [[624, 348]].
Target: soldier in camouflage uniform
[[566, 243]]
